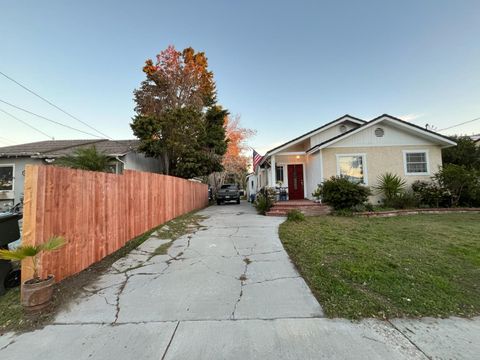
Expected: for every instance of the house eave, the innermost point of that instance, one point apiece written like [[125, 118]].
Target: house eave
[[442, 140], [305, 136]]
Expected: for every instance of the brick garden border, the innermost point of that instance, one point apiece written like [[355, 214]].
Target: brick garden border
[[415, 212]]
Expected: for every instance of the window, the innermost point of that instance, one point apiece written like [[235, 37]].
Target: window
[[416, 163], [279, 173], [6, 177], [353, 167], [229, 187]]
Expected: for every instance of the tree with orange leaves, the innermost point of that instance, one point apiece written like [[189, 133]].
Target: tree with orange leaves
[[235, 161], [177, 119]]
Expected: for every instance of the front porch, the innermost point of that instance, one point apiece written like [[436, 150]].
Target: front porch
[[307, 207], [288, 173]]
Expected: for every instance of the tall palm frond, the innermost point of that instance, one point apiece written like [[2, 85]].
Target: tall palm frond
[[86, 159]]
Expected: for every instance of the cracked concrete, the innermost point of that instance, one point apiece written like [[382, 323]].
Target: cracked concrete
[[227, 291]]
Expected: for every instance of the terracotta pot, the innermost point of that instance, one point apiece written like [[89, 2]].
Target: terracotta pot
[[37, 295]]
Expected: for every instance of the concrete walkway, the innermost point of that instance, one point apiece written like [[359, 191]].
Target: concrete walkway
[[228, 291]]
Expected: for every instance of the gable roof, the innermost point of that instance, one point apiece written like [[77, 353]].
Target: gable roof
[[425, 132], [345, 117], [56, 148]]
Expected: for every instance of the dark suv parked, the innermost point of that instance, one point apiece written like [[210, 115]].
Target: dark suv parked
[[228, 192]]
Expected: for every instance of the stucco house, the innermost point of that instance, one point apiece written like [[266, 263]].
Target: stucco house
[[14, 158], [361, 150]]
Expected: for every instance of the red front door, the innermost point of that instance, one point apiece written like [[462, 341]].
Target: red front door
[[295, 182]]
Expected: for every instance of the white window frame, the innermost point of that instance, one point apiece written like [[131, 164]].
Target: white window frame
[[364, 163], [427, 158], [13, 176]]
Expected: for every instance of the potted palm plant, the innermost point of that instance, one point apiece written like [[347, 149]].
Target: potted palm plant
[[36, 292]]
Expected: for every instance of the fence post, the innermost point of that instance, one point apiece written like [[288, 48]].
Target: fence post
[[29, 216]]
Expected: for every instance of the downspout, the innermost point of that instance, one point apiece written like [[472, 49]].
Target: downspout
[[121, 161]]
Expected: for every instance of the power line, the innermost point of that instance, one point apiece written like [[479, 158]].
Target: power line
[[463, 123], [55, 106], [5, 140], [27, 124], [45, 118]]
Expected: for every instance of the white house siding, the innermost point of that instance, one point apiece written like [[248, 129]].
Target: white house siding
[[251, 185], [139, 162], [8, 198], [392, 137], [330, 133], [314, 173]]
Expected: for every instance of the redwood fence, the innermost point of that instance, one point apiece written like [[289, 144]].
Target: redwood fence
[[97, 213]]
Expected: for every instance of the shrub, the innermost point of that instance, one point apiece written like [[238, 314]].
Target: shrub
[[391, 186], [295, 215], [341, 193], [265, 200], [430, 194], [462, 184], [362, 207], [404, 200]]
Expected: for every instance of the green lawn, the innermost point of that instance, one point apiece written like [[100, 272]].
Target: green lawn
[[419, 265]]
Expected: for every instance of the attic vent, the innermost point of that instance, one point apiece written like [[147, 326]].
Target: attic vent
[[379, 132], [343, 128]]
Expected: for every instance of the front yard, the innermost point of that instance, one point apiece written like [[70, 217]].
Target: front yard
[[420, 265]]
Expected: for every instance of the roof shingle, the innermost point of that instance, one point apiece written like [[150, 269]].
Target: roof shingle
[[55, 148]]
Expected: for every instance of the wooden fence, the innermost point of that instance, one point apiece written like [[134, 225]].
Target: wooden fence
[[97, 212]]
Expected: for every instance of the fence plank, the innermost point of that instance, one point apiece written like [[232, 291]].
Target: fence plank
[[97, 212]]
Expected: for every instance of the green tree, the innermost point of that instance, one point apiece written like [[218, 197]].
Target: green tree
[[86, 159], [466, 153], [177, 119], [462, 183]]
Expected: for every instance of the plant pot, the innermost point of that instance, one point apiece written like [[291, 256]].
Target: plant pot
[[37, 295]]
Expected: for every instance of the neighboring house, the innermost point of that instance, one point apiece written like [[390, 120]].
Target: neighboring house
[[354, 148], [476, 139], [14, 158], [251, 185]]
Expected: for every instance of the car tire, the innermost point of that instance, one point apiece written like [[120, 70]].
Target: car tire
[[238, 201], [219, 202]]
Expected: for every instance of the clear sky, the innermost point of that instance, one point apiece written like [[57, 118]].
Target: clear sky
[[285, 66]]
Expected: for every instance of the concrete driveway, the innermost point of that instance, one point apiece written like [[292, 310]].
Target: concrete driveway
[[228, 291]]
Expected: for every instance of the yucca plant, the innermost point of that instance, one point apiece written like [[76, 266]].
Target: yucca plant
[[86, 159], [30, 251], [390, 185]]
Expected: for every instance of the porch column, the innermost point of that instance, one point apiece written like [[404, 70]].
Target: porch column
[[273, 171]]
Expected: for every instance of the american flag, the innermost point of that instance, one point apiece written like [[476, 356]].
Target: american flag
[[256, 159]]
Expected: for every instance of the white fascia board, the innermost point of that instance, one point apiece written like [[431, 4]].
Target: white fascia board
[[306, 136], [386, 118], [291, 153]]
